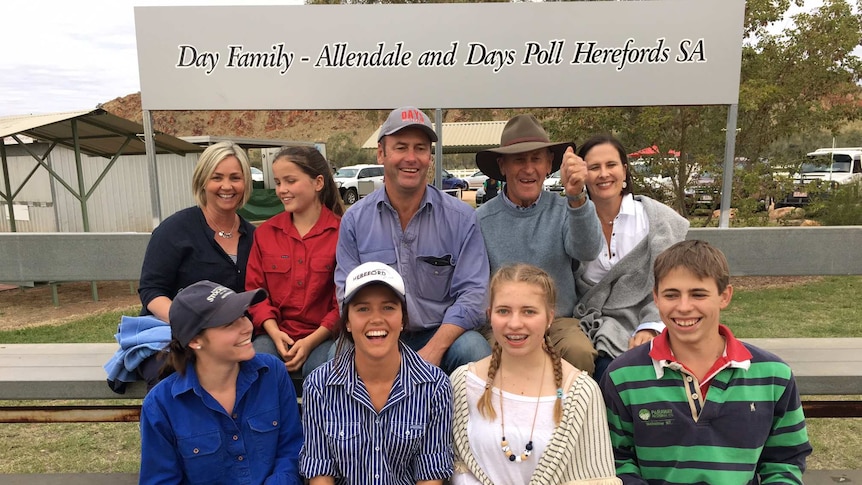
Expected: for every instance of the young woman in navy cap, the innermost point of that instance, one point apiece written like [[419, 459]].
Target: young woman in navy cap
[[226, 415]]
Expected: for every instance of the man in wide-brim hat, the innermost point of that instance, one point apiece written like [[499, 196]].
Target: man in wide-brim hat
[[525, 224]]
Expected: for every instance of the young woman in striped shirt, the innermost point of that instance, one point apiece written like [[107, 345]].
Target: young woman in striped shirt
[[377, 413]]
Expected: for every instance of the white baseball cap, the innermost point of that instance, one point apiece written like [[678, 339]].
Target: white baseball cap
[[372, 273]]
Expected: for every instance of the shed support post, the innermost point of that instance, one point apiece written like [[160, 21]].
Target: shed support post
[[727, 181], [152, 168]]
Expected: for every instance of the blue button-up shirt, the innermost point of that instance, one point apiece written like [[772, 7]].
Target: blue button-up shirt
[[441, 256], [188, 438], [409, 440]]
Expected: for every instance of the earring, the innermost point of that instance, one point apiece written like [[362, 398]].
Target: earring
[[625, 184], [198, 347]]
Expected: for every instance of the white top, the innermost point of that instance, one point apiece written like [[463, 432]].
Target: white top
[[485, 435], [630, 227]]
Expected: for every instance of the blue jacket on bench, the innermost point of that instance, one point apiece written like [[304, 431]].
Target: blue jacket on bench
[[139, 338]]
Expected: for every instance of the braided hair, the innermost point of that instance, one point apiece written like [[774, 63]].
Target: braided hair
[[533, 275]]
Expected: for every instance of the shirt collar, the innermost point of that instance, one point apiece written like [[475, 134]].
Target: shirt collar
[[627, 208], [513, 205], [327, 221], [413, 369], [427, 199], [735, 354], [249, 371]]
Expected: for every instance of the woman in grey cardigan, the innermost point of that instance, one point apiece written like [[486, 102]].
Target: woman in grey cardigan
[[614, 291]]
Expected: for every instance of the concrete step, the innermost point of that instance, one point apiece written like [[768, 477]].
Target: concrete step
[[70, 479], [811, 477], [831, 477]]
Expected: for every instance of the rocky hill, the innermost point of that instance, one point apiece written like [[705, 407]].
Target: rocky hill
[[275, 124], [281, 125]]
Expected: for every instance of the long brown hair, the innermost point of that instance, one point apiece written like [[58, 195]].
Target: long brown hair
[[176, 357], [312, 163], [523, 273]]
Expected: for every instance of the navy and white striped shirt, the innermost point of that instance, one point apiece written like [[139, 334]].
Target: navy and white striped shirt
[[409, 440]]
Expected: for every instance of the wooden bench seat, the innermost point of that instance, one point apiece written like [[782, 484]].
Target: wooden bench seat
[[823, 366]]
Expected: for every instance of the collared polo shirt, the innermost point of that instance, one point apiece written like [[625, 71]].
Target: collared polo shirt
[[735, 355]]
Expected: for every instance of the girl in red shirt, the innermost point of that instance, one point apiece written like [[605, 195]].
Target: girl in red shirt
[[293, 259]]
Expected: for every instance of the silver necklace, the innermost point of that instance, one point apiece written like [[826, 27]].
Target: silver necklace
[[225, 234]]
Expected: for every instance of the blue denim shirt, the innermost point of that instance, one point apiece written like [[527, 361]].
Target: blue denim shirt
[[409, 440], [188, 438], [441, 256]]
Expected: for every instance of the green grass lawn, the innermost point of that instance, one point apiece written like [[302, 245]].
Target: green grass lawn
[[826, 308]]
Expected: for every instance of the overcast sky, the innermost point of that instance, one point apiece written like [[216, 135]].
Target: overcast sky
[[67, 55]]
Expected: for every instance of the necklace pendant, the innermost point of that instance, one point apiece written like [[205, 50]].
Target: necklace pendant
[[225, 235]]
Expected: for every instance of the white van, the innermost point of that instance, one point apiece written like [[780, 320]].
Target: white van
[[829, 166]]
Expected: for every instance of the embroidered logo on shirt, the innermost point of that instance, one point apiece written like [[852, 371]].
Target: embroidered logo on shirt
[[656, 417]]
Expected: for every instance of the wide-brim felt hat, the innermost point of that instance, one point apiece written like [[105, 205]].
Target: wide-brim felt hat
[[523, 133]]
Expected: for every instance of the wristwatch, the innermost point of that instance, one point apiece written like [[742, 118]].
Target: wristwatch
[[576, 198]]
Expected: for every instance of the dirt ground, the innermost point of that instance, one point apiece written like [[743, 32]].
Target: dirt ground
[[30, 307]]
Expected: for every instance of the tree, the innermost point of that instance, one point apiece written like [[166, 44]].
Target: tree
[[342, 151]]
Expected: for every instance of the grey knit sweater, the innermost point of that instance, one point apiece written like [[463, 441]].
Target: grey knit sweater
[[550, 235], [611, 310]]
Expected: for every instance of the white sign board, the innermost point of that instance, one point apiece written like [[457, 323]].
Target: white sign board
[[491, 55]]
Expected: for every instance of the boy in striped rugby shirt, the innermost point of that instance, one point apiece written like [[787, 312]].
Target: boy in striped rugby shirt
[[696, 405]]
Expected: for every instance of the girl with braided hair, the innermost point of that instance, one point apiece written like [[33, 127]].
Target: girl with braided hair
[[523, 415]]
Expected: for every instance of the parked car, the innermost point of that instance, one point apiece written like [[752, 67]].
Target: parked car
[[452, 182], [348, 180], [552, 182], [824, 170], [256, 178], [256, 174], [480, 196], [476, 180], [704, 191]]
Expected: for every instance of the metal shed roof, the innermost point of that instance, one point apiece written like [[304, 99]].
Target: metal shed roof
[[99, 133], [206, 140], [464, 137]]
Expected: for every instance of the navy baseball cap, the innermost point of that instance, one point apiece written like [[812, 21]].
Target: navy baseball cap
[[205, 305], [406, 117]]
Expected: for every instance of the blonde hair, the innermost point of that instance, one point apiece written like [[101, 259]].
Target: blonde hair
[[523, 273], [207, 163]]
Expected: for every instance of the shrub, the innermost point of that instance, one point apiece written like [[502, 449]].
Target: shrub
[[839, 207]]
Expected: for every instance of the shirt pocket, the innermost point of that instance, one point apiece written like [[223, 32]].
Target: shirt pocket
[[275, 264], [203, 457], [276, 276], [321, 281], [345, 443], [434, 277], [264, 434], [405, 439]]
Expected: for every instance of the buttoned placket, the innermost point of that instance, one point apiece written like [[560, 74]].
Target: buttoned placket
[[380, 421]]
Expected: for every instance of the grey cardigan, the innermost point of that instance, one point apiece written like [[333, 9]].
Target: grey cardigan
[[612, 309]]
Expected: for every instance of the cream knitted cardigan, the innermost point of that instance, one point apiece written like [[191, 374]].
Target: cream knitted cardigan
[[579, 451]]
